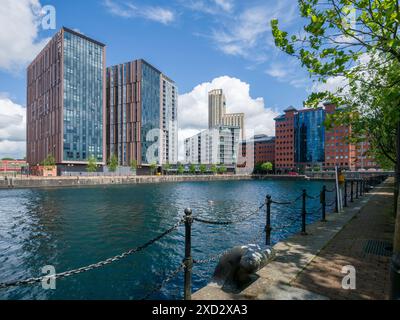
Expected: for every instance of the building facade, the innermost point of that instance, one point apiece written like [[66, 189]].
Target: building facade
[[142, 114], [309, 137], [302, 141], [217, 115], [169, 97], [216, 108], [213, 146], [285, 140], [66, 101], [338, 152]]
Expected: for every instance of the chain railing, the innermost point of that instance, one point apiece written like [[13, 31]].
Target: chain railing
[[357, 188]]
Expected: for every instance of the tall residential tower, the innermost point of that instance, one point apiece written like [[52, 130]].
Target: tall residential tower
[[142, 115], [66, 102], [217, 115]]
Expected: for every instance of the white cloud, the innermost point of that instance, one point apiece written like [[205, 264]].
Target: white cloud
[[332, 84], [213, 7], [19, 28], [277, 71], [290, 73], [130, 10], [193, 108], [12, 128], [226, 5], [248, 33]]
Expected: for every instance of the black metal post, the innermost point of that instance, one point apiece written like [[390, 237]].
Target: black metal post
[[357, 188], [345, 194], [336, 201], [361, 187], [395, 277], [323, 203], [268, 228], [188, 261], [303, 214], [352, 191]]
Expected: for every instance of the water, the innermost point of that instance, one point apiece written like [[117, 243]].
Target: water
[[71, 228]]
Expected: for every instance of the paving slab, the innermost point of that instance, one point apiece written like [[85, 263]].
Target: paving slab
[[282, 278]]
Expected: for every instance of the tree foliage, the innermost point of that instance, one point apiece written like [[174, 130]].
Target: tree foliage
[[267, 167], [192, 169], [153, 168], [222, 169], [357, 42], [181, 169], [203, 168], [113, 163], [92, 164], [50, 161]]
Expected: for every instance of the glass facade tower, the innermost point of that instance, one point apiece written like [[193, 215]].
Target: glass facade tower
[[66, 101], [83, 99], [310, 136], [141, 101]]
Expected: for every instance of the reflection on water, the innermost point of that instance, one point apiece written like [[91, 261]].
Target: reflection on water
[[70, 228]]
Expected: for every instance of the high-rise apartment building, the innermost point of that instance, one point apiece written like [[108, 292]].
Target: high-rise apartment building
[[213, 146], [142, 114], [169, 101], [217, 115], [66, 102], [216, 108]]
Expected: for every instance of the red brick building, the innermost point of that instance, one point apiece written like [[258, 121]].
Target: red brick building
[[338, 152], [335, 149], [285, 140], [264, 149], [259, 149]]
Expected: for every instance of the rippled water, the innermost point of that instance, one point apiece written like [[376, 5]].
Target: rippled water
[[70, 228]]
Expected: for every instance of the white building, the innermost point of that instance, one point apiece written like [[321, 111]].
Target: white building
[[218, 145], [169, 121]]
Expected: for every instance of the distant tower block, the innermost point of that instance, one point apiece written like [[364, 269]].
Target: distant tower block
[[217, 115], [216, 108]]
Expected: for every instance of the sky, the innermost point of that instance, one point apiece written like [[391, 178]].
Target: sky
[[200, 44]]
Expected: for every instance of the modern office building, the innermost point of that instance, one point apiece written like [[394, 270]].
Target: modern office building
[[66, 102], [213, 146], [302, 141], [217, 115], [142, 114], [310, 137]]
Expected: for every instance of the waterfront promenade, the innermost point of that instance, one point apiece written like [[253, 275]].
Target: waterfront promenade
[[309, 267], [54, 182]]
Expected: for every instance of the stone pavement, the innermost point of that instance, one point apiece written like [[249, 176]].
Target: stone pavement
[[353, 246], [309, 267]]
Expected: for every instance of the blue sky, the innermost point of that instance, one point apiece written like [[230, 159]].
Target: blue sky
[[204, 43]]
